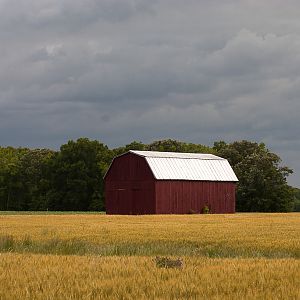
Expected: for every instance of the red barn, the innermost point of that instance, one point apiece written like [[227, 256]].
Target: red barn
[[150, 182]]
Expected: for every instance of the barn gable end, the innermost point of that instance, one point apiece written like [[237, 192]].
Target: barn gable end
[[129, 166], [129, 186]]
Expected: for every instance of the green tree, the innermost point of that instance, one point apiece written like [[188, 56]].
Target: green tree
[[297, 199], [132, 146], [11, 186], [33, 173], [177, 146], [77, 176], [262, 181]]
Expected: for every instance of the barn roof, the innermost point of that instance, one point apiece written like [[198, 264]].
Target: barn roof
[[187, 166]]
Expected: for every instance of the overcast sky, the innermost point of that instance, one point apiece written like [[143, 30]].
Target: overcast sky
[[123, 70]]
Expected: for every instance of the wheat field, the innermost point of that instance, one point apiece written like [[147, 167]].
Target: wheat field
[[96, 277], [83, 256]]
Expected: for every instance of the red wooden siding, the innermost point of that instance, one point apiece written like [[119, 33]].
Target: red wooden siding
[[181, 197], [129, 186]]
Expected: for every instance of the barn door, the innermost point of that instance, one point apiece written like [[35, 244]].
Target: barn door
[[119, 201], [142, 201], [135, 207]]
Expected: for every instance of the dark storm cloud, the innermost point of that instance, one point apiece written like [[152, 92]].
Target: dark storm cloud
[[119, 70], [68, 15]]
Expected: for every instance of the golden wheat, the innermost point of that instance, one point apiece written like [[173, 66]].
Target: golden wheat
[[95, 277], [193, 238], [247, 235]]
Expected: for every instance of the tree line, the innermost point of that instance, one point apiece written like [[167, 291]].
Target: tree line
[[71, 179]]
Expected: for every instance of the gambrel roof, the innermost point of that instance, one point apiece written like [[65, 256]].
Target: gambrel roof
[[187, 166]]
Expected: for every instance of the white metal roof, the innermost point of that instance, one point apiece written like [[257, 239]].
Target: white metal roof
[[188, 166], [175, 154]]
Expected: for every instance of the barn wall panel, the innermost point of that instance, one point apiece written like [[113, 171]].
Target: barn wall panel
[[127, 197], [181, 197]]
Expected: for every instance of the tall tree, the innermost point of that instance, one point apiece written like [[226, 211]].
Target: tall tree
[[11, 187], [33, 173], [262, 180], [77, 176]]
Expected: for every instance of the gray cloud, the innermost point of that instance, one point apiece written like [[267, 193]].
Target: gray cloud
[[68, 15], [119, 70]]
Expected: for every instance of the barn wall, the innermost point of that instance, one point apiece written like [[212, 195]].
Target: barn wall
[[181, 197], [129, 186]]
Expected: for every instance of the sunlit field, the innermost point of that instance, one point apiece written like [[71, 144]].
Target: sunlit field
[[239, 235], [96, 277], [96, 256]]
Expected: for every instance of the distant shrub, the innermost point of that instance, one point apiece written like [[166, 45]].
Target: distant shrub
[[205, 209], [7, 243], [166, 262]]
